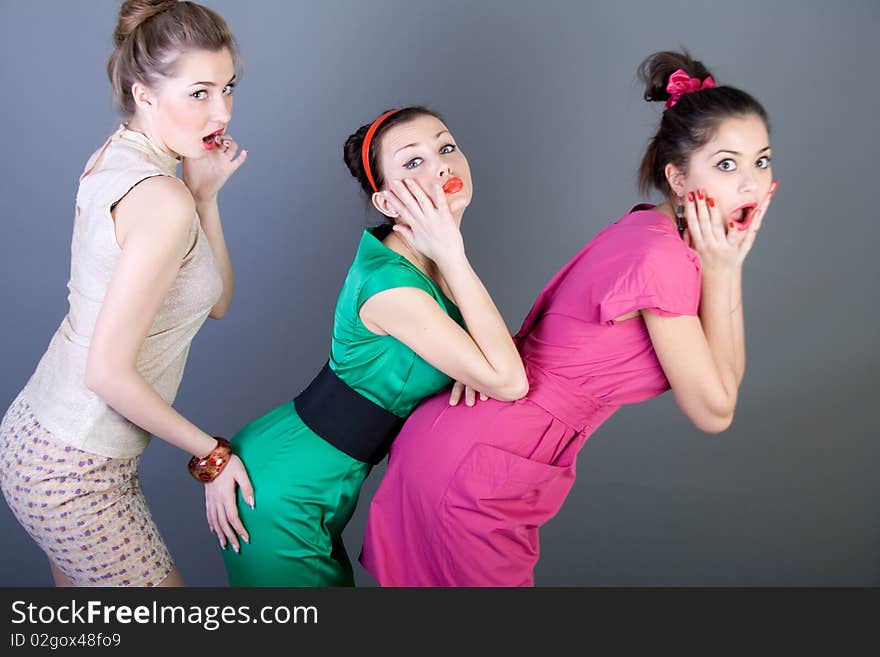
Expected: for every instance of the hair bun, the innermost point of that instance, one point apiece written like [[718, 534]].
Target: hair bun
[[134, 13], [655, 70]]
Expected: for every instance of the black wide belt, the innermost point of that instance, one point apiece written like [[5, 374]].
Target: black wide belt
[[346, 419]]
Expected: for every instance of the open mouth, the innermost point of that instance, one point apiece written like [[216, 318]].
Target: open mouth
[[453, 185], [209, 142], [743, 215]]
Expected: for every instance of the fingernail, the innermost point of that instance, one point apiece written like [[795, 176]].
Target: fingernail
[[711, 202], [235, 547], [691, 197], [246, 540], [701, 194], [250, 501], [732, 224]]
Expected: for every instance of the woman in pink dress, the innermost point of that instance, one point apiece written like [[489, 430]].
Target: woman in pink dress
[[653, 302]]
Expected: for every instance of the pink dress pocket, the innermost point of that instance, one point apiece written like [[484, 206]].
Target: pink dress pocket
[[491, 512]]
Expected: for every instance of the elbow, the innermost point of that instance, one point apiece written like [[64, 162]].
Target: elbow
[[714, 420], [715, 424], [515, 389], [97, 378], [105, 376], [709, 413]]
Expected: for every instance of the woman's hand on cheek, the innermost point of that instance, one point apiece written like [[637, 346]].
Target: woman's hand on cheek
[[717, 247], [425, 221]]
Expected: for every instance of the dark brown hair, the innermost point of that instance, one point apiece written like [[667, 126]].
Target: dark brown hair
[[692, 121], [351, 152], [151, 34]]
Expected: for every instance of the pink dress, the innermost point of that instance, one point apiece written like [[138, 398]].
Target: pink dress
[[467, 488]]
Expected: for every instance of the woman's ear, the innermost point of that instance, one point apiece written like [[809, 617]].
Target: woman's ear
[[381, 203], [676, 179], [143, 96]]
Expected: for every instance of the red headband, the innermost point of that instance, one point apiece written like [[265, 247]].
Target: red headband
[[365, 149]]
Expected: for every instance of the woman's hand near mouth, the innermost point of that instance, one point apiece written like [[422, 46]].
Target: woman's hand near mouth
[[721, 248], [204, 176], [753, 223]]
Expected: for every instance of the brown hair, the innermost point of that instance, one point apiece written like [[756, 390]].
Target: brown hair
[[692, 121], [151, 34], [351, 152]]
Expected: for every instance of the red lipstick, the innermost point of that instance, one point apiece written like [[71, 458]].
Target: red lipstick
[[209, 143], [748, 213], [453, 185]]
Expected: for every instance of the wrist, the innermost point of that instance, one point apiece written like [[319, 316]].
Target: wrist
[[452, 260], [205, 202], [206, 469], [720, 274], [206, 445]]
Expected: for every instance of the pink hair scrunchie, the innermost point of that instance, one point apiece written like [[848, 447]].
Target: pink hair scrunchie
[[680, 83]]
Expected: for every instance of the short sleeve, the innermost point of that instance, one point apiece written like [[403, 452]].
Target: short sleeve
[[665, 281], [388, 276]]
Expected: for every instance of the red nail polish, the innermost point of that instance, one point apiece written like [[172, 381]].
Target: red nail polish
[[691, 197], [711, 202], [732, 224], [700, 194]]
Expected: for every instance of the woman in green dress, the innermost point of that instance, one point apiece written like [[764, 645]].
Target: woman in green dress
[[411, 317]]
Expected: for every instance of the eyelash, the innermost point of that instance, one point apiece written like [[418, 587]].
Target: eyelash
[[764, 157], [411, 165], [227, 90]]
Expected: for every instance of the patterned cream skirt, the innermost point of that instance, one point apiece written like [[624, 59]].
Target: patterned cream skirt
[[87, 512]]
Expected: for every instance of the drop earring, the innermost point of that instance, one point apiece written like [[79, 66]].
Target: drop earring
[[679, 217]]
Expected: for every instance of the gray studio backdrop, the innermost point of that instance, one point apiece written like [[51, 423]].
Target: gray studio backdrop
[[543, 99]]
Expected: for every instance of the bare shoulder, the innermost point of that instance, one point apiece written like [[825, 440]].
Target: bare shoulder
[[387, 310], [157, 203]]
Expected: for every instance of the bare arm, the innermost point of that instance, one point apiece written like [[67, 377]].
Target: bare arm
[[414, 317], [687, 359], [483, 356], [704, 358], [209, 215], [204, 177], [153, 223]]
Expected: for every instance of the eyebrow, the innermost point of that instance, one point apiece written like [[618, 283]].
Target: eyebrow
[[411, 145], [727, 150], [211, 84]]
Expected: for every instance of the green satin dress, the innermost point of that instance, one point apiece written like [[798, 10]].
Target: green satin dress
[[305, 489]]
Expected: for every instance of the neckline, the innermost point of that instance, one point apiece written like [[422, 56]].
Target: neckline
[[167, 163], [668, 222], [399, 257]]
